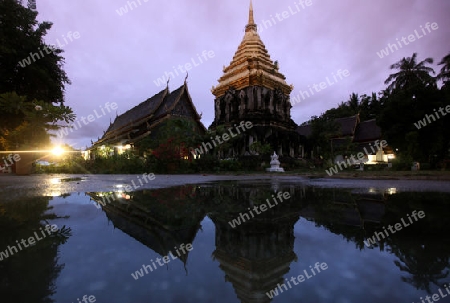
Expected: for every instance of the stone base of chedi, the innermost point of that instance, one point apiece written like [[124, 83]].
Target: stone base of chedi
[[274, 164]]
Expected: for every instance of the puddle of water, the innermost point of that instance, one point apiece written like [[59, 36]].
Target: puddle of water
[[226, 242]]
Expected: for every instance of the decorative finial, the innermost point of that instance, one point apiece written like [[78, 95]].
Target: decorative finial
[[187, 75], [251, 21], [168, 80]]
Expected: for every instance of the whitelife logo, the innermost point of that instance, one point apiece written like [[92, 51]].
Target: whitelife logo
[[301, 278], [184, 68], [48, 50], [423, 123], [316, 88], [12, 158], [106, 198], [263, 207], [299, 6], [398, 227], [225, 137], [31, 241], [407, 40], [161, 262], [76, 125], [131, 5], [352, 159], [85, 299]]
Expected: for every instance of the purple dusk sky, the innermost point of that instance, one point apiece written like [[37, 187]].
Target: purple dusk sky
[[119, 56]]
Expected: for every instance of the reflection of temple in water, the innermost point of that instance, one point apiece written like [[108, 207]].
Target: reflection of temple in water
[[254, 256], [154, 222]]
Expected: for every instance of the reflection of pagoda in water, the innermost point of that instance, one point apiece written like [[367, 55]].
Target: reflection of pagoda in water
[[255, 256], [151, 218]]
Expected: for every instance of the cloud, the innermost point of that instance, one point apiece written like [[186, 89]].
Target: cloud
[[117, 57]]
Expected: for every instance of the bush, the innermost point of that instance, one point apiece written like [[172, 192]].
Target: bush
[[253, 163], [375, 167], [425, 166], [206, 163], [402, 163], [229, 165]]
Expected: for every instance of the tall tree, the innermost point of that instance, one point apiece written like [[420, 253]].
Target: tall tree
[[411, 94], [444, 74], [353, 103], [410, 75], [31, 77], [22, 36]]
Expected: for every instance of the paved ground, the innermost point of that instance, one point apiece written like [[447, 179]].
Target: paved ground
[[37, 185]]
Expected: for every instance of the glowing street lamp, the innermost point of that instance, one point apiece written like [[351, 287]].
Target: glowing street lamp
[[58, 151]]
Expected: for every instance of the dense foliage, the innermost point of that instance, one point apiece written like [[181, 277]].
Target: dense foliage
[[31, 95], [411, 94]]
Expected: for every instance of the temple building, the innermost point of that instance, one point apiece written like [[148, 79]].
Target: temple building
[[145, 119], [363, 135], [252, 89]]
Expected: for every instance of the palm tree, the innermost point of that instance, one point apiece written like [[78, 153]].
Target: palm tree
[[353, 103], [444, 74], [411, 74]]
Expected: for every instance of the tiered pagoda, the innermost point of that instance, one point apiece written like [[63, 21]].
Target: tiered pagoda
[[252, 89]]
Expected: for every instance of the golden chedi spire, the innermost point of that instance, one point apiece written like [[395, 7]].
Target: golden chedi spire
[[251, 21], [251, 65]]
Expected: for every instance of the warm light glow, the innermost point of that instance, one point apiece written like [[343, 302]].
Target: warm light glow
[[55, 181], [391, 156], [58, 151], [392, 191]]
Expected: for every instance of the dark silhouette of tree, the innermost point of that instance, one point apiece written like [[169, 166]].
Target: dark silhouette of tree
[[30, 274], [423, 266], [411, 74], [21, 34], [353, 102], [412, 93], [444, 74], [29, 90]]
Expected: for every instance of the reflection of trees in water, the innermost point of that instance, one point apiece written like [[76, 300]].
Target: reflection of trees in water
[[341, 212], [424, 267], [423, 248], [29, 275]]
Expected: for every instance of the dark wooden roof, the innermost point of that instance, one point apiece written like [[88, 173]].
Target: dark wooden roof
[[139, 112], [348, 125], [169, 102], [367, 131], [143, 117]]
